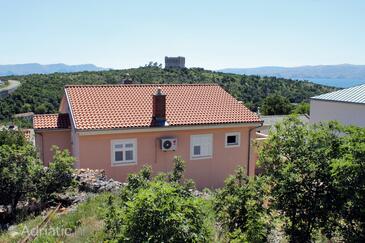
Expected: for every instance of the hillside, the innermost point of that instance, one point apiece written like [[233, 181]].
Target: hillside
[[342, 71], [42, 93], [33, 68]]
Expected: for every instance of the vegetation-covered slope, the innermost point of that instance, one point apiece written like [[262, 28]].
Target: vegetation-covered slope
[[42, 93]]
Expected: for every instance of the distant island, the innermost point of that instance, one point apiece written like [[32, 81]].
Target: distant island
[[36, 68], [342, 75]]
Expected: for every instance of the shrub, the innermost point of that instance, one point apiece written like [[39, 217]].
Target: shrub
[[298, 158], [159, 213], [349, 177], [10, 137], [18, 167], [22, 175], [161, 209], [301, 108], [136, 182], [239, 206], [57, 177]]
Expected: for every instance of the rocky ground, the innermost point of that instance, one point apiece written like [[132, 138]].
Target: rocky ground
[[89, 182], [95, 181]]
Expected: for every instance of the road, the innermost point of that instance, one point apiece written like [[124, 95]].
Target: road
[[13, 85]]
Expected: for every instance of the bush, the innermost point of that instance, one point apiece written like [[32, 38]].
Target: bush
[[136, 182], [158, 210], [298, 160], [12, 138], [160, 213], [18, 167], [349, 178], [239, 206], [301, 108], [22, 175], [57, 177]]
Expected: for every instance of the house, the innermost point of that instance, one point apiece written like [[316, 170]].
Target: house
[[120, 128], [175, 62], [346, 106], [272, 120]]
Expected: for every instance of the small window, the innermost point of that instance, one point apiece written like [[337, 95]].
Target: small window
[[124, 151], [232, 139], [201, 146]]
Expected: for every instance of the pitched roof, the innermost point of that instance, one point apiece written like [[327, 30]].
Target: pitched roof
[[352, 95], [124, 106], [51, 121]]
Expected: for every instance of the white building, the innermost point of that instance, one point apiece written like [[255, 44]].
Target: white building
[[346, 106], [272, 120]]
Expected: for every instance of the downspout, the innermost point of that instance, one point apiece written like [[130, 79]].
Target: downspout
[[249, 146]]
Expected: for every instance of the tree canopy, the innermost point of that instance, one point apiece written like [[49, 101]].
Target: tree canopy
[[42, 93], [316, 173], [275, 104]]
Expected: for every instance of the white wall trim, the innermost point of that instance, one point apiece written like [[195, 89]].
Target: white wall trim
[[238, 134], [44, 130], [162, 129], [123, 141]]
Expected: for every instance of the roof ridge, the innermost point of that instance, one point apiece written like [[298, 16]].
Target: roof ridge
[[138, 85]]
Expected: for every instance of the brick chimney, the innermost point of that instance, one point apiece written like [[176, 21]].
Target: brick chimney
[[159, 108]]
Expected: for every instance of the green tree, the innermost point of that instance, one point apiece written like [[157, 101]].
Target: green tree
[[10, 137], [41, 109], [42, 93], [297, 158], [26, 107], [276, 105], [22, 175], [349, 177], [57, 177], [301, 108], [18, 167], [239, 206]]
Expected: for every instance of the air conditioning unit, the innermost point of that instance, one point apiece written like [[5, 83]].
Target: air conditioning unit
[[168, 144]]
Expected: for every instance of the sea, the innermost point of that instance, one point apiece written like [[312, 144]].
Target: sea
[[335, 82]]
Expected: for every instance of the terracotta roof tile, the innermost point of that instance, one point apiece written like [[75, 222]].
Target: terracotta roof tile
[[123, 106], [51, 121]]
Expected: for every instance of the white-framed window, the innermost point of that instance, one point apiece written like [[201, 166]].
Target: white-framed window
[[201, 146], [124, 151], [232, 139]]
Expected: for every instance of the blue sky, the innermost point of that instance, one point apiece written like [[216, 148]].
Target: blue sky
[[210, 34]]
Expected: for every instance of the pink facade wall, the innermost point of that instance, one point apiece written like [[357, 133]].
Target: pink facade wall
[[95, 153], [46, 139]]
